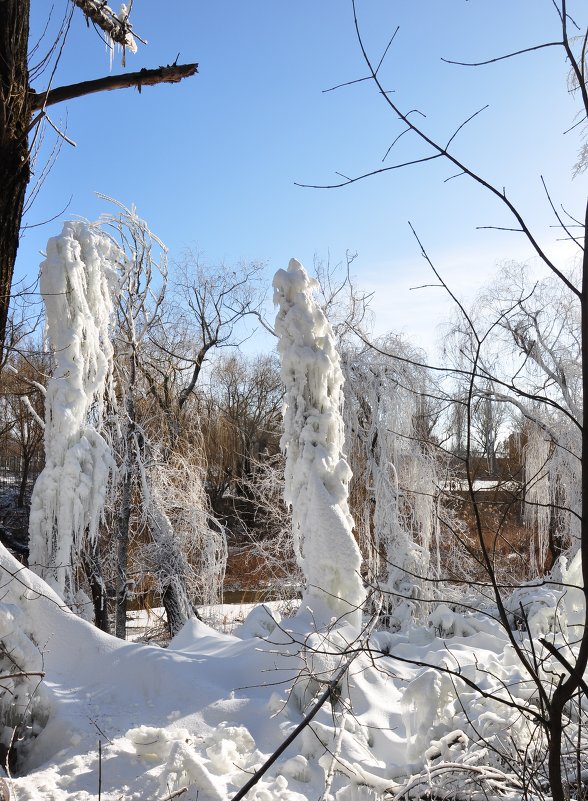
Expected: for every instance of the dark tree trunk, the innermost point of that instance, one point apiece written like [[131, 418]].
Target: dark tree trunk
[[122, 556], [171, 569], [93, 569], [175, 603], [15, 117], [24, 479]]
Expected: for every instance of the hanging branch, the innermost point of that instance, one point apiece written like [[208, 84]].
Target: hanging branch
[[119, 30]]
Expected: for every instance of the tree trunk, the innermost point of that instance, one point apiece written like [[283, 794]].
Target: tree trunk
[[122, 555], [15, 116], [93, 570], [24, 479], [568, 686], [171, 569]]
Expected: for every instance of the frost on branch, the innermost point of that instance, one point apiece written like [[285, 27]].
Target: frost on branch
[[317, 474], [116, 27], [76, 284], [394, 487]]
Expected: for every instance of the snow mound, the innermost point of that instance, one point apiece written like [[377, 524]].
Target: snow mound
[[426, 707], [260, 622]]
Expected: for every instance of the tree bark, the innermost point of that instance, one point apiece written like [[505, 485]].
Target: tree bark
[[15, 115], [124, 514], [122, 555], [24, 478]]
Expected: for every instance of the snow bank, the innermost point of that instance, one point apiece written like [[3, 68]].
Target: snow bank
[[317, 474], [209, 710]]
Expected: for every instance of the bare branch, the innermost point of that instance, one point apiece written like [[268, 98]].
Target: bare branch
[[172, 73], [368, 174], [442, 151], [502, 58]]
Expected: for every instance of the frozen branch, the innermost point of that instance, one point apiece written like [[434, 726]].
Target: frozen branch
[[116, 27]]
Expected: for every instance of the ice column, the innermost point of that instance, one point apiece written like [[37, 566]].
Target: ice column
[[317, 474]]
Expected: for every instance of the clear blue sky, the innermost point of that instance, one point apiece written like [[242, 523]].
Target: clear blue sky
[[212, 162]]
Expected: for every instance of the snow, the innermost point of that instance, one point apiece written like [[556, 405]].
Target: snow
[[428, 705], [207, 711], [317, 474]]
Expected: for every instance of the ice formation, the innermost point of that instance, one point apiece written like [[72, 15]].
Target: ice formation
[[553, 492], [395, 485], [76, 283], [317, 474]]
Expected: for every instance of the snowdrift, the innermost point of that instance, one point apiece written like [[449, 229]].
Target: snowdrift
[[207, 711]]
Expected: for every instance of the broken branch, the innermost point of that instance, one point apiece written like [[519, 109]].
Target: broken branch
[[173, 73]]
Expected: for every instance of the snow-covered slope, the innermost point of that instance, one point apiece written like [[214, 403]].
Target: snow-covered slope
[[207, 711]]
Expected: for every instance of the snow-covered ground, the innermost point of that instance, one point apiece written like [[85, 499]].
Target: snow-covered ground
[[205, 713], [149, 623]]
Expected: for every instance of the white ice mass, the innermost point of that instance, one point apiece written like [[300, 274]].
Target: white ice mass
[[76, 283], [317, 474]]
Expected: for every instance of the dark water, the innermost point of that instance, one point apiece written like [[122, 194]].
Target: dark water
[[248, 596], [229, 597]]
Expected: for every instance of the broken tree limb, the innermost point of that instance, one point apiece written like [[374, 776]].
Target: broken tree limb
[[173, 73], [119, 30]]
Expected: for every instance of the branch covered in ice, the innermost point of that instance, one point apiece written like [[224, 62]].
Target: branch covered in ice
[[116, 26]]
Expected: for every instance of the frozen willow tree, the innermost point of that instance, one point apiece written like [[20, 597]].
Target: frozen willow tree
[[164, 536], [532, 365], [317, 474], [77, 280], [394, 488]]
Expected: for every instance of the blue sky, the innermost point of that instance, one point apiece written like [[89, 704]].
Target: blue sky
[[212, 162]]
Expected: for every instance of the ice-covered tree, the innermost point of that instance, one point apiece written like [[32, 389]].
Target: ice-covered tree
[[317, 473], [395, 486], [529, 362], [77, 282], [164, 537]]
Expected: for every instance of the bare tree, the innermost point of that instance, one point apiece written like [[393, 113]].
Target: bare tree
[[206, 313], [241, 419], [24, 391]]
